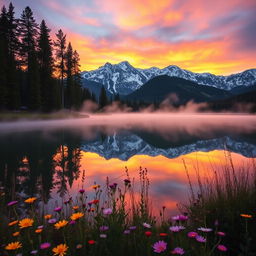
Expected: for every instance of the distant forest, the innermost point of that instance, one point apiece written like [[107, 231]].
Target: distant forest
[[37, 73]]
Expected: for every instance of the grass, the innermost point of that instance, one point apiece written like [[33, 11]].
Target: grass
[[115, 221], [227, 198]]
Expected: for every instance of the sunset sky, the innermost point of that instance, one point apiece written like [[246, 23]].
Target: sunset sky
[[199, 35]]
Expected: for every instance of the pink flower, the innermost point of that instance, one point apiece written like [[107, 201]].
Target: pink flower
[[205, 229], [176, 228], [103, 236], [180, 217], [57, 209], [81, 190], [178, 250], [159, 246], [104, 228], [222, 248], [200, 239], [146, 225], [12, 203], [192, 234], [221, 233], [107, 211], [52, 221], [127, 232], [45, 246]]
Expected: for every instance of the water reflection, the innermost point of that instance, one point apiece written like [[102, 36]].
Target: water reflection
[[54, 163]]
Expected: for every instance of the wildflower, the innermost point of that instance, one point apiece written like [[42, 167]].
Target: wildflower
[[200, 239], [38, 231], [95, 201], [13, 246], [81, 191], [163, 234], [104, 228], [180, 217], [16, 233], [146, 225], [30, 200], [96, 186], [13, 223], [148, 233], [221, 233], [103, 236], [192, 234], [47, 216], [60, 250], [159, 246], [57, 209], [44, 246], [176, 228], [26, 223], [247, 216], [222, 248], [52, 221], [127, 182], [12, 203], [79, 246], [72, 222], [91, 242], [107, 211], [75, 207], [40, 227], [132, 227], [178, 251], [127, 232], [205, 229], [60, 224], [34, 252], [76, 216], [113, 186]]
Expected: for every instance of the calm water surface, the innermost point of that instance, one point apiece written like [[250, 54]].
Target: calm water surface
[[54, 159]]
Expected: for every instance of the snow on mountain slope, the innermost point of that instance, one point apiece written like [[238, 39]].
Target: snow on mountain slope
[[123, 78]]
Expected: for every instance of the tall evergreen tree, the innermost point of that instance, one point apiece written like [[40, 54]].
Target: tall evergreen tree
[[103, 99], [28, 29], [69, 79], [60, 47]]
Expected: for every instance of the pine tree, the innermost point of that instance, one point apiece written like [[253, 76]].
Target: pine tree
[[103, 99], [45, 58], [28, 29], [60, 47], [69, 77]]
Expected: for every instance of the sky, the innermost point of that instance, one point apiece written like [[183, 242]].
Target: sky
[[198, 35]]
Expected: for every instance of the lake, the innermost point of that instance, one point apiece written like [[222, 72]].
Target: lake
[[53, 159]]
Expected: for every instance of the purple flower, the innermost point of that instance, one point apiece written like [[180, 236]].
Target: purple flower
[[192, 234], [180, 217], [127, 181], [159, 246], [132, 227], [40, 227], [57, 209], [221, 233], [81, 190], [200, 239], [12, 203], [205, 229], [104, 228], [52, 221], [178, 251], [127, 232], [222, 248], [34, 252], [146, 225], [107, 211], [176, 228], [72, 222], [113, 186], [45, 245], [103, 236]]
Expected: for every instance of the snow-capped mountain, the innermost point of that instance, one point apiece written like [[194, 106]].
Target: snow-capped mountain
[[123, 78], [124, 146]]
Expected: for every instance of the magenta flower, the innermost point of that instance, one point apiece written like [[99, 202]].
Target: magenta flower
[[222, 248], [192, 234], [57, 209], [81, 191], [221, 233], [113, 186], [159, 246], [72, 222], [180, 217], [176, 228], [34, 252], [40, 227], [127, 232], [45, 245], [12, 203], [178, 251], [146, 225], [132, 227], [200, 239], [107, 211], [52, 221], [104, 228], [205, 229]]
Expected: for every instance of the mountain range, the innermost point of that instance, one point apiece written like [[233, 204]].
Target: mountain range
[[124, 79]]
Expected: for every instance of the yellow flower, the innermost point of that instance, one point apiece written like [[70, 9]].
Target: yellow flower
[[76, 207], [76, 216], [13, 246], [96, 186], [13, 223], [16, 233], [60, 249], [47, 216], [26, 223], [39, 230], [248, 216], [30, 200], [61, 224]]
